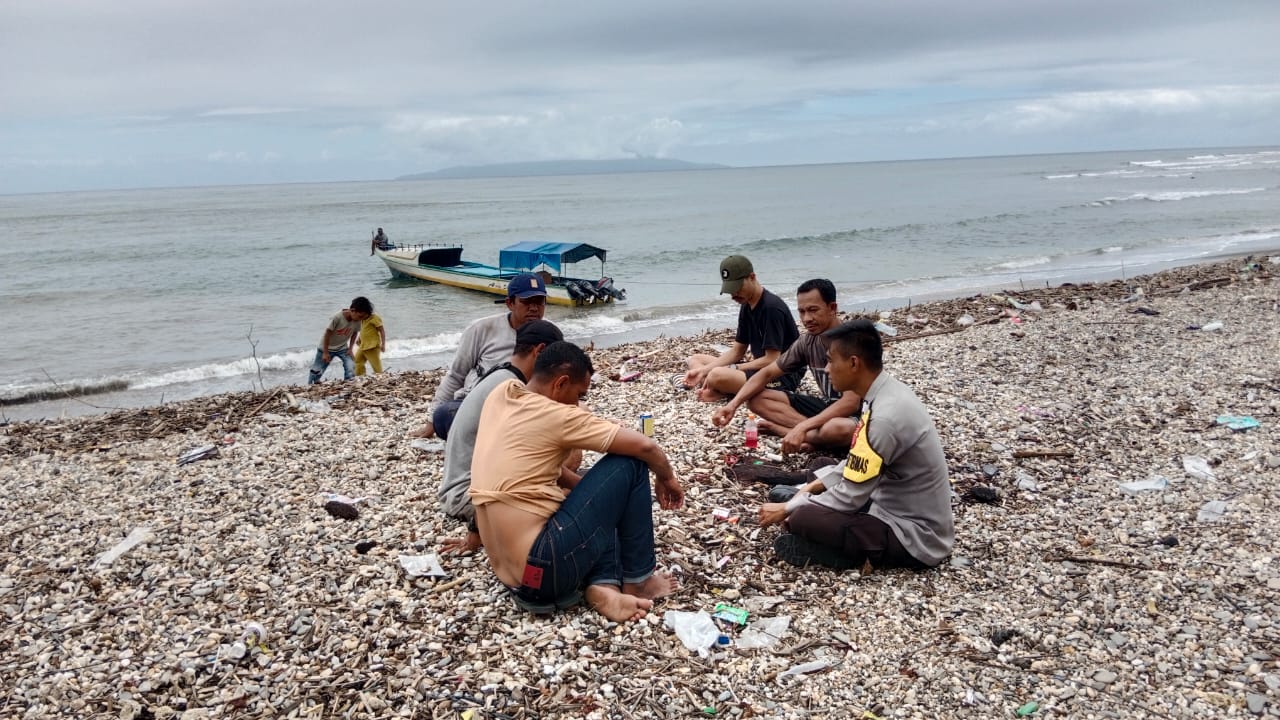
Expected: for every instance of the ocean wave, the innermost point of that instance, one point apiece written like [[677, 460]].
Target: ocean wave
[[1108, 249], [1175, 195], [1022, 263]]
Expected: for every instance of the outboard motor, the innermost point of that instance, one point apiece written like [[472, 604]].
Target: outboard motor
[[588, 293], [606, 286], [575, 292]]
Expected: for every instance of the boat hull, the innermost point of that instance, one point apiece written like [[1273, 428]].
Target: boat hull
[[469, 276]]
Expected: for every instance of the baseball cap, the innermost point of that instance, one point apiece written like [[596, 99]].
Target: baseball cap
[[535, 332], [526, 285], [733, 270]]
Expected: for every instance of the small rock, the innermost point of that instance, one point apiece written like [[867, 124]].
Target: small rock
[[1106, 677], [1257, 703], [365, 546], [982, 494], [341, 510], [989, 471]]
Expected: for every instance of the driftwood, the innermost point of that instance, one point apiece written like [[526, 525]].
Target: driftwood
[[1042, 453]]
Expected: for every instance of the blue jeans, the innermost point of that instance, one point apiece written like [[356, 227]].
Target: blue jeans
[[442, 418], [601, 535], [319, 365]]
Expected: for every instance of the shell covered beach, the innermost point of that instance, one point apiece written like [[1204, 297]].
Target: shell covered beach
[[1114, 450]]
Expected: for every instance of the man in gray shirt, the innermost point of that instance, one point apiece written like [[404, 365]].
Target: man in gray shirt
[[483, 345], [889, 503], [531, 338]]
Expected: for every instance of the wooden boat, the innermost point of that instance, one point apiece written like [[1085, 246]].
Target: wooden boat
[[444, 264]]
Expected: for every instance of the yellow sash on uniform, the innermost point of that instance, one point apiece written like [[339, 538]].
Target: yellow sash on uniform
[[863, 463]]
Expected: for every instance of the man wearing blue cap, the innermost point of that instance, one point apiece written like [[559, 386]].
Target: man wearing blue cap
[[485, 344]]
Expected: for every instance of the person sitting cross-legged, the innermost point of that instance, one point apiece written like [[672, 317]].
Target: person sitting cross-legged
[[889, 503], [805, 422], [549, 549]]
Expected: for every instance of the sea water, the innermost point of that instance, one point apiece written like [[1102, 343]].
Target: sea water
[[174, 293]]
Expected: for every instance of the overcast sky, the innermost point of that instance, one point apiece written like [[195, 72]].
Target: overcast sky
[[129, 93]]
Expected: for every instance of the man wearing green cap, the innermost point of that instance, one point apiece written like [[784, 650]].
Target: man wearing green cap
[[766, 327]]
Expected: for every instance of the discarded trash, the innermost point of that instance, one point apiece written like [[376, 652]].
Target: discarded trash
[[318, 407], [804, 668], [428, 445], [201, 453], [1198, 468], [729, 613], [964, 320], [1212, 511], [1033, 306], [422, 565], [1155, 482], [365, 546], [139, 535], [695, 629], [982, 494], [886, 329], [764, 632], [627, 375], [1238, 422], [724, 560], [721, 513], [254, 634], [1028, 483], [723, 640], [1028, 709], [1146, 310], [1212, 326]]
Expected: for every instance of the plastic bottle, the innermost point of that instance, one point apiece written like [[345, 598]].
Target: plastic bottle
[[752, 440]]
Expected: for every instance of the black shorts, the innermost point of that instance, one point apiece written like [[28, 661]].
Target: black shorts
[[807, 405], [787, 383]]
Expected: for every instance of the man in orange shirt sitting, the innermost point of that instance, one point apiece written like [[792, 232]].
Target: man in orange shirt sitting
[[549, 549]]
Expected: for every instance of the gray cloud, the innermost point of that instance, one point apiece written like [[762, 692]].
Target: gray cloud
[[381, 88]]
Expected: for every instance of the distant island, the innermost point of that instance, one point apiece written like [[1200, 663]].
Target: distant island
[[563, 167]]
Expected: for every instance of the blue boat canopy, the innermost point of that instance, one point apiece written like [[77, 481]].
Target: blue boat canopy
[[531, 254]]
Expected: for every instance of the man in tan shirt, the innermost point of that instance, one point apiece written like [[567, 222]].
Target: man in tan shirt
[[550, 549]]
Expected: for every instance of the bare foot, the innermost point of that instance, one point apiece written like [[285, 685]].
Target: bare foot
[[706, 394], [657, 585], [426, 431], [616, 605], [769, 428]]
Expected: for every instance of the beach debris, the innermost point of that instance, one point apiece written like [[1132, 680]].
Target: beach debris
[[1238, 422], [965, 320], [1155, 482], [1144, 310], [1198, 468], [1026, 482], [696, 630], [364, 546], [730, 613], [204, 452], [1137, 295], [982, 494], [1212, 511], [427, 565], [803, 669], [886, 329], [1033, 306], [764, 632], [341, 510], [1028, 709], [430, 445], [319, 407], [139, 535], [342, 506], [1212, 326]]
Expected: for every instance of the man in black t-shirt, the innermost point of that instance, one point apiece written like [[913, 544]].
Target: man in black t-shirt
[[766, 327]]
